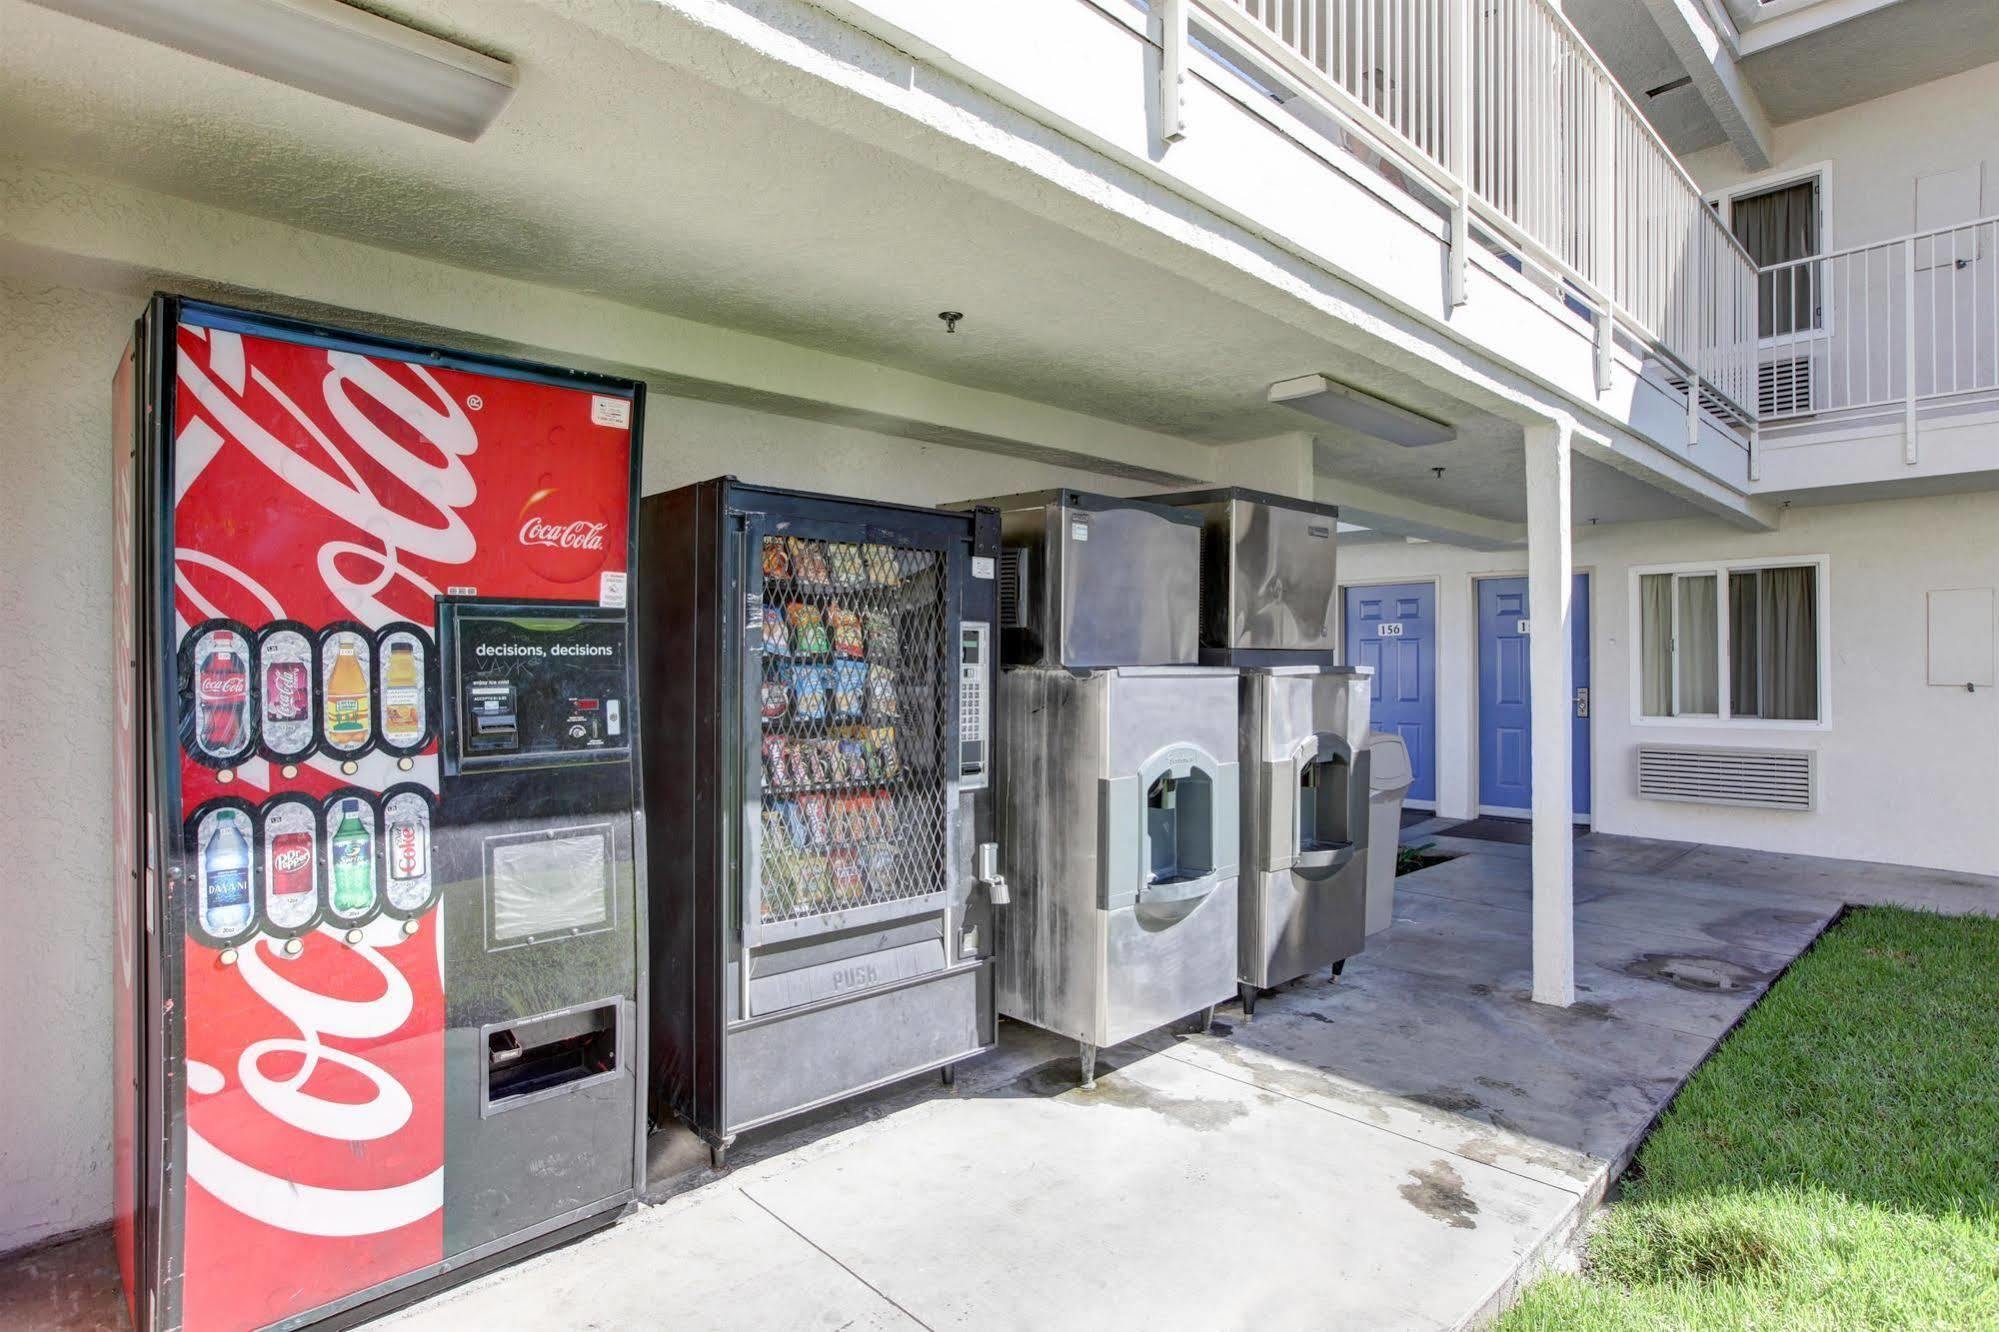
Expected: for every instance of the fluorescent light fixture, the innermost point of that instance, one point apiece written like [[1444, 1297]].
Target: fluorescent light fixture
[[1316, 395], [329, 48]]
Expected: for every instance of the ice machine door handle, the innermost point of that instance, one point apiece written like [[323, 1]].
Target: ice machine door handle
[[989, 875]]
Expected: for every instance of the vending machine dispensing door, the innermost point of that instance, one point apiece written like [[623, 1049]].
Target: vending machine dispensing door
[[535, 842]]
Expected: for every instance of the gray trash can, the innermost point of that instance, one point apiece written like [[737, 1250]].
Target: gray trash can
[[1389, 778]]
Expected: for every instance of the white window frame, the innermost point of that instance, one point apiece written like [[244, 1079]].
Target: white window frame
[[1723, 202], [1721, 569]]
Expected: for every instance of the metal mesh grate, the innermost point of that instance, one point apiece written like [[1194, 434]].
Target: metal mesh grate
[[855, 774]]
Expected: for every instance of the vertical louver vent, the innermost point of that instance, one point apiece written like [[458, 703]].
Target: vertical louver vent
[[1703, 774], [1013, 588]]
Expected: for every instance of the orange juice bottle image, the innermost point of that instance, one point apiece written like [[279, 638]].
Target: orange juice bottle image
[[347, 699], [402, 696]]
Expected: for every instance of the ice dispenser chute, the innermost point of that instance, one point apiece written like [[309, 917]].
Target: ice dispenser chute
[[1169, 831]]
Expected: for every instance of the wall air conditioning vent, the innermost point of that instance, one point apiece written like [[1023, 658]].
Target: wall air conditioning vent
[[1784, 387], [1013, 569], [1708, 775]]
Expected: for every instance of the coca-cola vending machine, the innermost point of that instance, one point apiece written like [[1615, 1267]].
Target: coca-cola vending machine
[[378, 898]]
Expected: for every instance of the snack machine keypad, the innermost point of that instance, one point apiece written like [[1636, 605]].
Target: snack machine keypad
[[974, 729]]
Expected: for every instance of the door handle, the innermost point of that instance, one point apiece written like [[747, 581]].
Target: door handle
[[1582, 701]]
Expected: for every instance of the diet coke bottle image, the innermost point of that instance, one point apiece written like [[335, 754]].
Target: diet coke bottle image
[[353, 863], [225, 878], [406, 836], [222, 697]]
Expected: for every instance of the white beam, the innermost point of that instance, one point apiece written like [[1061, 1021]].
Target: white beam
[[1712, 66], [1551, 671]]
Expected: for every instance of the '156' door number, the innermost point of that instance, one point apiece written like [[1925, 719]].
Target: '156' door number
[[1389, 629]]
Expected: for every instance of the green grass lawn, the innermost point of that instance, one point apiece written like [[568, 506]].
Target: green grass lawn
[[1835, 1164]]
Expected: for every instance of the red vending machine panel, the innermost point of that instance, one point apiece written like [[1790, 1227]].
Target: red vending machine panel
[[309, 496]]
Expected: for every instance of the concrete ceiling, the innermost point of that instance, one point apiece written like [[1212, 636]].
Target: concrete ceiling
[[1627, 38], [612, 175], [1880, 52], [1896, 46]]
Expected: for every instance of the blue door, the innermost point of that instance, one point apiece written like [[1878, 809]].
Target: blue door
[[1505, 755], [1393, 629]]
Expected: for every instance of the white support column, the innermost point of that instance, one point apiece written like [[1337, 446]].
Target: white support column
[[1551, 669]]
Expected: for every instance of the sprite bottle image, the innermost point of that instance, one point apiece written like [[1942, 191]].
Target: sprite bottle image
[[353, 859]]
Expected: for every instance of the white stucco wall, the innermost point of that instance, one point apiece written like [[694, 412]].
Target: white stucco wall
[[1907, 770], [1877, 150], [58, 347]]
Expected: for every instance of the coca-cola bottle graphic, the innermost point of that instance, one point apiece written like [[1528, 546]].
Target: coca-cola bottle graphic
[[347, 699], [222, 700], [285, 696], [402, 695], [353, 860], [225, 878]]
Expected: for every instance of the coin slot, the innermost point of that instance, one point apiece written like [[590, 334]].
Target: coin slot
[[544, 1054]]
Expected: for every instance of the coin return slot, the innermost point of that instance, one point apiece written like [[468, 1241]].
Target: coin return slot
[[545, 1053], [1180, 829], [1323, 804]]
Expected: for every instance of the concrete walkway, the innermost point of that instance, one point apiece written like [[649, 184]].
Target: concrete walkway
[[1397, 1149]]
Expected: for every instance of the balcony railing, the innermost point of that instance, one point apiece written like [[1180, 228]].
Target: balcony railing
[[1895, 324], [1507, 116]]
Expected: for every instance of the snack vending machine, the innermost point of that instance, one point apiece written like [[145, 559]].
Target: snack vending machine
[[817, 675], [378, 894]]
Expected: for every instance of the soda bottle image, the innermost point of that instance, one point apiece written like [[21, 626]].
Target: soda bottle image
[[222, 700], [225, 875], [285, 699], [353, 858], [409, 850], [402, 696], [291, 865], [347, 699]]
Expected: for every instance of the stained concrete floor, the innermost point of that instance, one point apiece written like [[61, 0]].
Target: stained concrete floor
[[1400, 1148]]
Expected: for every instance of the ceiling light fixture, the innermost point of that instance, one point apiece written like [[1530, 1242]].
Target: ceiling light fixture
[[1342, 405], [328, 48]]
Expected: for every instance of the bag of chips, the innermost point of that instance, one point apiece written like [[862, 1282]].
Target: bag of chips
[[850, 685], [883, 644], [808, 562], [777, 638], [777, 564], [808, 691], [808, 630], [882, 570], [846, 627], [882, 698], [845, 561]]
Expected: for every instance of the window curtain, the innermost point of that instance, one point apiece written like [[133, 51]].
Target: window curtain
[[1775, 227], [1787, 605], [1697, 649], [1744, 644], [1655, 633]]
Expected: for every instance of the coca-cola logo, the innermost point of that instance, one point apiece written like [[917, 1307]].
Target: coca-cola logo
[[224, 688], [563, 539], [578, 535]]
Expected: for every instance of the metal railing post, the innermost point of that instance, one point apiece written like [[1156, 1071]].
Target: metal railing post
[[1909, 351], [1458, 90], [1603, 240], [1172, 70]]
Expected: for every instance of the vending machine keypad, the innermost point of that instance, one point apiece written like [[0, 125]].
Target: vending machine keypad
[[974, 726]]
